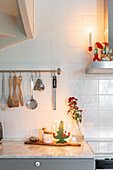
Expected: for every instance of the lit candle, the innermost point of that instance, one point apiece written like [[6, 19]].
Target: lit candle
[[64, 127], [58, 124], [69, 126], [90, 37], [53, 128]]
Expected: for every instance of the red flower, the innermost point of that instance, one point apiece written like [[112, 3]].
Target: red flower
[[73, 98], [74, 109], [74, 102], [69, 100], [68, 112], [70, 105]]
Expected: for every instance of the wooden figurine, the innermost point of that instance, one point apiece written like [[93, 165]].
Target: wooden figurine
[[105, 53], [95, 51]]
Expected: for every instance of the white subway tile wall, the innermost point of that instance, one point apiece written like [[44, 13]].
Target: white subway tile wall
[[61, 40]]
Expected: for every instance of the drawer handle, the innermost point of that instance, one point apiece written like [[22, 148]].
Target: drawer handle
[[37, 164]]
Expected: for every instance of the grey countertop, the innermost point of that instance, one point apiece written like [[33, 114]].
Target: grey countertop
[[17, 149], [102, 148]]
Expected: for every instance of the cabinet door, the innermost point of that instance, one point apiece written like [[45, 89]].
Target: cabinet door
[[46, 164]]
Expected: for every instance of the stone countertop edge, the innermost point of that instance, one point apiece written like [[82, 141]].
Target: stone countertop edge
[[45, 157], [17, 149]]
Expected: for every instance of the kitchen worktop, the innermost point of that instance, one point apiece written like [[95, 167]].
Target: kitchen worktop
[[17, 149], [102, 148]]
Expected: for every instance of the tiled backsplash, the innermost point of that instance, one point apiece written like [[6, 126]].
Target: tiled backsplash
[[61, 37]]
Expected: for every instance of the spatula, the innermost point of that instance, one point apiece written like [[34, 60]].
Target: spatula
[[15, 97], [19, 81], [10, 101]]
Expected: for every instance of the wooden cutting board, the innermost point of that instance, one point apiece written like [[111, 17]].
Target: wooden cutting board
[[40, 142]]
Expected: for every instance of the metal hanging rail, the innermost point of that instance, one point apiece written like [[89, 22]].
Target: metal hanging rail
[[58, 71]]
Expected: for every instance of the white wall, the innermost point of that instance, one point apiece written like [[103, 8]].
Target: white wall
[[61, 39]]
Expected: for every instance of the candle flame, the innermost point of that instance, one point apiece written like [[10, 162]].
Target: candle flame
[[106, 31], [90, 29]]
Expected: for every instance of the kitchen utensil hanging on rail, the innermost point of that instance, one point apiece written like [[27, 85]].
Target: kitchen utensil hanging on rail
[[3, 101], [39, 85], [10, 101], [15, 97], [19, 82], [32, 103], [13, 100], [54, 92]]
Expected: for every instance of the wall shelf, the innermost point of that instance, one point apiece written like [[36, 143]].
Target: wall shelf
[[100, 67]]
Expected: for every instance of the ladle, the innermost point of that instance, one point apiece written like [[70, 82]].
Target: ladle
[[32, 103]]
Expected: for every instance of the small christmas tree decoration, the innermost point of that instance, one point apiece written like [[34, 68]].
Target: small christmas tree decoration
[[61, 134]]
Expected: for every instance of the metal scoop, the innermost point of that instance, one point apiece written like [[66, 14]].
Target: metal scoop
[[32, 103]]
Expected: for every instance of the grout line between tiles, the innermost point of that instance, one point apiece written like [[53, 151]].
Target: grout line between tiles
[[98, 106], [52, 116]]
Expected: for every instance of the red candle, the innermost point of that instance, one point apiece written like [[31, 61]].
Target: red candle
[[68, 133], [64, 135], [53, 134], [90, 39]]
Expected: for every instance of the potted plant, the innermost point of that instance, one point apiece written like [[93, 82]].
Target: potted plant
[[76, 115]]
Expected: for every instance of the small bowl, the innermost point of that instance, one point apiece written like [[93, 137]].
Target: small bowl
[[33, 139]]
